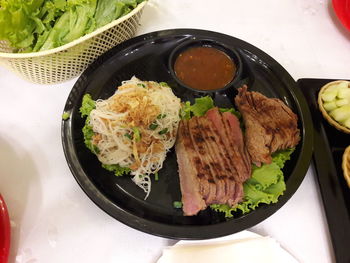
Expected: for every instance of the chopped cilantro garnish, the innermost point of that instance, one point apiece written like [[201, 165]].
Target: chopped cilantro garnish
[[177, 204], [153, 126], [156, 176], [161, 116], [128, 135], [164, 84], [117, 169], [164, 131]]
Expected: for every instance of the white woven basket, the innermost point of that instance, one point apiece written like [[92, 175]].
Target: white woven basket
[[68, 61]]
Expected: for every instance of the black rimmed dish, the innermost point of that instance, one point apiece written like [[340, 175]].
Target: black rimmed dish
[[224, 51], [147, 57]]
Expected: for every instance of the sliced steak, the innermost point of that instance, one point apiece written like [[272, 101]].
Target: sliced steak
[[229, 130], [221, 152], [240, 153], [189, 181], [206, 175], [237, 137], [213, 161], [239, 193], [208, 170], [270, 125], [216, 159]]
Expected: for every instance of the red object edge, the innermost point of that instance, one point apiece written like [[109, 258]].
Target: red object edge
[[342, 10], [5, 232]]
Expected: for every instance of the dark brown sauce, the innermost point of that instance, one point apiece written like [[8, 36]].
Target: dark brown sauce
[[204, 68]]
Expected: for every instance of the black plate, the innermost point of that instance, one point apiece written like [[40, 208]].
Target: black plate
[[146, 57], [329, 146]]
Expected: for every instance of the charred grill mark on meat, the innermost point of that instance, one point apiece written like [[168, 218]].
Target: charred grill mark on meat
[[215, 160], [215, 157], [270, 125], [219, 169], [189, 182]]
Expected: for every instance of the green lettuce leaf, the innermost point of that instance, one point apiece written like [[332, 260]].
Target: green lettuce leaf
[[117, 169], [88, 134], [281, 157], [185, 112], [200, 107], [16, 21], [57, 33], [36, 25], [108, 10], [264, 187], [73, 23], [81, 18], [87, 105], [233, 111]]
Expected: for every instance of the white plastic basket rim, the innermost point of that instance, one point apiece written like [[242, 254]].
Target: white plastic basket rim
[[77, 41]]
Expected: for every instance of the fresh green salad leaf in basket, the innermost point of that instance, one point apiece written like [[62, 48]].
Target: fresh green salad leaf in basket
[[36, 25]]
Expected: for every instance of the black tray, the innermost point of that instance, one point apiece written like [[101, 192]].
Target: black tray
[[329, 146], [147, 57]]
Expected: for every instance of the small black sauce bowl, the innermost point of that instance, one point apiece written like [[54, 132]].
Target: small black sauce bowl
[[230, 52]]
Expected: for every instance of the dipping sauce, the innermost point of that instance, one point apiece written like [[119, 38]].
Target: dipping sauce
[[204, 68]]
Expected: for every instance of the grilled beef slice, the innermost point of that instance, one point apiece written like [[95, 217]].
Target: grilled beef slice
[[211, 166], [208, 170], [270, 125], [216, 158], [188, 171], [229, 129]]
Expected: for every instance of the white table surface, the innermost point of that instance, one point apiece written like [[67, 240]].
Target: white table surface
[[54, 221]]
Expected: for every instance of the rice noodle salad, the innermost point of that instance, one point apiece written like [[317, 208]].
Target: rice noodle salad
[[133, 129]]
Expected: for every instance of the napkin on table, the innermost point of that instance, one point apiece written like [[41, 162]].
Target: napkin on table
[[247, 250]]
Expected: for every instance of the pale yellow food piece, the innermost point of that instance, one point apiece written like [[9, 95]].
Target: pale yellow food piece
[[346, 165], [249, 250], [328, 89]]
